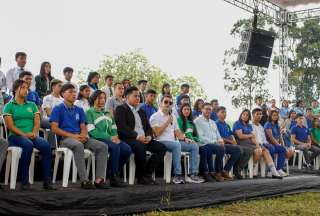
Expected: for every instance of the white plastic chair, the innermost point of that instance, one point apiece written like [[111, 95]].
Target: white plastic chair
[[91, 161], [300, 158]]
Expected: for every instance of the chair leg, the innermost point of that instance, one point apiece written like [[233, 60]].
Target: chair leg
[[250, 166], [185, 166], [56, 165], [66, 168], [93, 158], [168, 166], [14, 169], [31, 168], [287, 162], [132, 170], [74, 170], [300, 160], [124, 173], [8, 165], [263, 168]]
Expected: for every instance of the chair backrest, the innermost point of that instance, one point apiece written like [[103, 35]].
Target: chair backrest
[[5, 129]]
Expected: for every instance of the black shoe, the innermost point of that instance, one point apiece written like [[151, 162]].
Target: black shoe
[[1, 187], [145, 181], [277, 177], [25, 187], [208, 178], [87, 185], [48, 186], [101, 185], [116, 182], [237, 175]]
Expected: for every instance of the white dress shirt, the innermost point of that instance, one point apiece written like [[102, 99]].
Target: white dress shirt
[[50, 101], [13, 75], [158, 119]]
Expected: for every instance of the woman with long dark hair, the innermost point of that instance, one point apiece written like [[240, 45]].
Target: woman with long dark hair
[[43, 79], [185, 122], [83, 97], [101, 126], [93, 81], [197, 108], [165, 90], [23, 121]]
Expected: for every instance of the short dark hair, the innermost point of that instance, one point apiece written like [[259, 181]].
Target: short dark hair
[[16, 84], [184, 97], [185, 85], [95, 95], [130, 89], [221, 108], [117, 83], [25, 73], [255, 110], [67, 69], [214, 101], [66, 87], [142, 81], [151, 91], [166, 96], [20, 54], [92, 75], [108, 76], [258, 97], [313, 100], [206, 104], [54, 82], [308, 109], [299, 115]]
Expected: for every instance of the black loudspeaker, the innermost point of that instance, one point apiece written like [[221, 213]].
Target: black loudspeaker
[[256, 48]]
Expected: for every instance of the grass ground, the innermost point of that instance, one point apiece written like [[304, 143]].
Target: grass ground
[[306, 204]]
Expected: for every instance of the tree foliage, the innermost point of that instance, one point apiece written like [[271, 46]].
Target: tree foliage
[[135, 66]]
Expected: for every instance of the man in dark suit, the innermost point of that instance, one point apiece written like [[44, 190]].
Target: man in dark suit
[[134, 129]]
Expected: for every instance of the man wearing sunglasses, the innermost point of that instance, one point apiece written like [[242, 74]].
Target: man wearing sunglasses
[[134, 129], [165, 127]]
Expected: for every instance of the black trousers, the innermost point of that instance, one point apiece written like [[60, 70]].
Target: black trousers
[[139, 149], [247, 148]]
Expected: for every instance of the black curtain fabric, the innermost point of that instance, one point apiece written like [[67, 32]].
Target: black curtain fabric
[[137, 198]]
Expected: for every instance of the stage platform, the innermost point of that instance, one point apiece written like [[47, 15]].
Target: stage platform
[[137, 199]]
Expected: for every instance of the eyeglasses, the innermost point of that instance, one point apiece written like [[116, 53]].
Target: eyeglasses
[[168, 102]]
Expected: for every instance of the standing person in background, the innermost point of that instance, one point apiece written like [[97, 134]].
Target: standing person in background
[[165, 90], [315, 108], [43, 80], [32, 96], [117, 99], [184, 99], [68, 74], [148, 106], [3, 89], [142, 85], [309, 118], [284, 110], [273, 106], [93, 81], [184, 90], [108, 89], [83, 98], [13, 74], [126, 84], [197, 108], [215, 106]]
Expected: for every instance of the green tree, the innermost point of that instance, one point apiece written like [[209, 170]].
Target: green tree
[[244, 82], [135, 66]]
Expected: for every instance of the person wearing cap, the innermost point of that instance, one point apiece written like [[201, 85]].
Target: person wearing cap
[[142, 85], [148, 106]]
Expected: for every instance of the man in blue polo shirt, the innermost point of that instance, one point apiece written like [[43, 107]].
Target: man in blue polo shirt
[[32, 95], [227, 136], [148, 106], [69, 123], [300, 135]]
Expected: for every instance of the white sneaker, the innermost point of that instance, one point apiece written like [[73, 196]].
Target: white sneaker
[[178, 179], [282, 173], [255, 170], [194, 179]]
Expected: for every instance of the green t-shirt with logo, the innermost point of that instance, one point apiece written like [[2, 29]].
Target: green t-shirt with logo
[[315, 132], [22, 115]]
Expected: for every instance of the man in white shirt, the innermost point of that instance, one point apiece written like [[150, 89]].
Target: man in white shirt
[[166, 129], [53, 99], [259, 133], [13, 74], [108, 88], [68, 73]]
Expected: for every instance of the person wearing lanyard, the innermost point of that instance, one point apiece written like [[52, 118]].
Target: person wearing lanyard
[[23, 121]]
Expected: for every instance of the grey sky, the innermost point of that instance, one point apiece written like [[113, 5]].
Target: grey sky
[[180, 36]]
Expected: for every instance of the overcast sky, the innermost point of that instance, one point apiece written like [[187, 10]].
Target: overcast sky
[[183, 37]]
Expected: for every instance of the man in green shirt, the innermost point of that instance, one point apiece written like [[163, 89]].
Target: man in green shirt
[[315, 108]]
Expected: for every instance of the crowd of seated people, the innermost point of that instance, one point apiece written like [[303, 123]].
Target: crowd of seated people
[[120, 119]]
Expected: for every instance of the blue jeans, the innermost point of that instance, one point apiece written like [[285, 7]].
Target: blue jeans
[[281, 151], [287, 140], [234, 152], [176, 147], [119, 155], [206, 161], [27, 146]]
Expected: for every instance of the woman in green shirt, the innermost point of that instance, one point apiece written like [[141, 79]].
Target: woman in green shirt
[[23, 122], [101, 126], [185, 122]]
